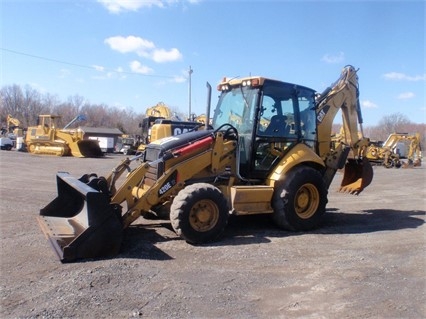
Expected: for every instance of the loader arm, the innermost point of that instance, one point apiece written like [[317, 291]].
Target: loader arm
[[211, 155]]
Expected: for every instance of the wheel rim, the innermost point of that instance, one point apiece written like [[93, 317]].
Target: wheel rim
[[306, 201], [204, 215]]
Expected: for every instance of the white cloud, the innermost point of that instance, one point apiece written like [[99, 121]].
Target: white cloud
[[406, 95], [131, 43], [161, 55], [143, 48], [368, 104], [179, 79], [106, 74], [98, 68], [137, 67], [117, 6], [396, 76], [337, 58]]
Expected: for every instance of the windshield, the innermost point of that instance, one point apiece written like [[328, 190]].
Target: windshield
[[236, 107]]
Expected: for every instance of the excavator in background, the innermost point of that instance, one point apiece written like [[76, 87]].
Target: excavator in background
[[414, 156], [12, 135], [46, 138], [14, 126], [283, 169], [385, 156], [160, 110], [160, 122], [389, 154]]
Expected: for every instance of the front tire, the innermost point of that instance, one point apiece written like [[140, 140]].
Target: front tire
[[299, 200], [199, 213]]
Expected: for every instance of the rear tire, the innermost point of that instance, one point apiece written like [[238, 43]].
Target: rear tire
[[299, 200], [199, 213]]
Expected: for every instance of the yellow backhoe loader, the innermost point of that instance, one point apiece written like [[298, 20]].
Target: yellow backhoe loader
[[414, 156], [389, 156], [46, 138], [283, 169]]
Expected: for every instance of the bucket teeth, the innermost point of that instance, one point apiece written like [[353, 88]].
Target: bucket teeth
[[353, 189]]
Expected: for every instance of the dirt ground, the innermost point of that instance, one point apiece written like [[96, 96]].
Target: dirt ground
[[366, 261]]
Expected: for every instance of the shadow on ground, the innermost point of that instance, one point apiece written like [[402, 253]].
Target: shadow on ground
[[139, 240]]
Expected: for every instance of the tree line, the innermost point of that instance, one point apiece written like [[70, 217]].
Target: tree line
[[26, 104]]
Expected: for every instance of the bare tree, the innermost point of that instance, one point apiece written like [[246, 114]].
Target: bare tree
[[12, 101], [392, 123], [33, 106], [97, 115]]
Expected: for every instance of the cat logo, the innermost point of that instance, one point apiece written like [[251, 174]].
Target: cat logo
[[322, 113]]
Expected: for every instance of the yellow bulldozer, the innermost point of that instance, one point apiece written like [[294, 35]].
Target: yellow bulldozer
[[46, 138], [276, 160], [389, 154]]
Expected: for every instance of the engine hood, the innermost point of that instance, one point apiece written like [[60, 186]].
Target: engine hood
[[159, 147]]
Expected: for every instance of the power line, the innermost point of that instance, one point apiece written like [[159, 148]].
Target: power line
[[83, 66]]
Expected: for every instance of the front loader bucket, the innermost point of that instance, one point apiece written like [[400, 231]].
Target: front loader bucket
[[358, 175], [81, 222], [86, 148]]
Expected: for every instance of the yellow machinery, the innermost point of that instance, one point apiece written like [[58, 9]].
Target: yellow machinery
[[201, 177], [46, 138], [156, 112], [159, 123], [160, 110], [12, 135], [14, 126], [202, 118], [388, 154], [414, 155]]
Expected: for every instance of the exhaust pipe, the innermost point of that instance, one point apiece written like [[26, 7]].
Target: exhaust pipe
[[209, 102]]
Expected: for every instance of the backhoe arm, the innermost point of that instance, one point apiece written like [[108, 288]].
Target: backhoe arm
[[344, 95]]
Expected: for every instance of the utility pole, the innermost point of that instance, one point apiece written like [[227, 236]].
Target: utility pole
[[190, 71]]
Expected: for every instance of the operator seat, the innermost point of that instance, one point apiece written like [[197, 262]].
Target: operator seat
[[278, 126]]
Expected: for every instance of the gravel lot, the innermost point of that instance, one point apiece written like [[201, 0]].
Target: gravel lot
[[366, 261]]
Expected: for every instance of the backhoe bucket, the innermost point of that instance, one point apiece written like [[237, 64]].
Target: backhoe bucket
[[86, 148], [358, 175], [81, 222]]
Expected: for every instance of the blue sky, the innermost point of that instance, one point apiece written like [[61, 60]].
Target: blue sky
[[135, 53]]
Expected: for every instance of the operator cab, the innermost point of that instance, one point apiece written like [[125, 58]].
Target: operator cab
[[270, 117]]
